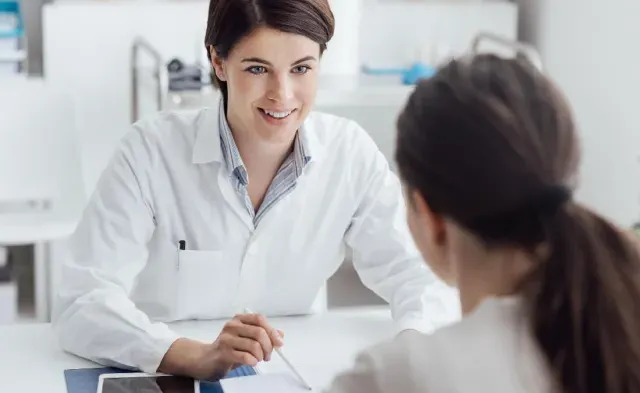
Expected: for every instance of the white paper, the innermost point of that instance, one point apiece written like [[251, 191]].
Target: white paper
[[264, 383]]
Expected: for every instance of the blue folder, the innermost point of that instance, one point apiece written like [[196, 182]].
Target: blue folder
[[85, 380]]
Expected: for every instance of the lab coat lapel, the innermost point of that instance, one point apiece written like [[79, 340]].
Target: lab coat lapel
[[207, 149]]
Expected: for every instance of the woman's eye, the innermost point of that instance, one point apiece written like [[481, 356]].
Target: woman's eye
[[257, 70], [301, 69]]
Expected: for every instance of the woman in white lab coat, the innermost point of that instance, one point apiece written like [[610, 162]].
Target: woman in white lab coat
[[248, 204], [550, 291]]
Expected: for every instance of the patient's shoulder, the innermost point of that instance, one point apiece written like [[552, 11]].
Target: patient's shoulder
[[489, 350], [396, 365]]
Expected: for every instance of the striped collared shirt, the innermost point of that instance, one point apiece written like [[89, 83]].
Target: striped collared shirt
[[284, 181]]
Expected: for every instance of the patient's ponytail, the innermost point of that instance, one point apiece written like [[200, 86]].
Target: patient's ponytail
[[585, 304]]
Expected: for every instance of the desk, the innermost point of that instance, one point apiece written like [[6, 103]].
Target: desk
[[320, 345], [17, 229]]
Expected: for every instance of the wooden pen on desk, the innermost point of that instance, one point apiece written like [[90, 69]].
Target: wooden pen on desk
[[286, 361]]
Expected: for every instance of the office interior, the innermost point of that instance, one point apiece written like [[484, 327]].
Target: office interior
[[587, 47]]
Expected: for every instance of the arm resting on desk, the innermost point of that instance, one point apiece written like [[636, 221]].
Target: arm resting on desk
[[93, 315]]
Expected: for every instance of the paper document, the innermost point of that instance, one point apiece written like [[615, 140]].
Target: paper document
[[266, 383]]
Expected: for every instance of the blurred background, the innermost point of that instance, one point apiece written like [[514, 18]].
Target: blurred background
[[88, 68]]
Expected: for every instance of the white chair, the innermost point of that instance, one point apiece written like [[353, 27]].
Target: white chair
[[41, 191]]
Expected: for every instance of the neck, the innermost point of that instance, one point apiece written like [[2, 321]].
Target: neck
[[489, 272], [259, 154], [259, 157]]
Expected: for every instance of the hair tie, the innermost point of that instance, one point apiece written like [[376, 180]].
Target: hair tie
[[553, 198]]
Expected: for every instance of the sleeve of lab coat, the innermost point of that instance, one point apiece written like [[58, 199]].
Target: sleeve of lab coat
[[93, 316], [385, 256]]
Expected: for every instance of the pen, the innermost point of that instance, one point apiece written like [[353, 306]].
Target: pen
[[287, 362], [182, 245]]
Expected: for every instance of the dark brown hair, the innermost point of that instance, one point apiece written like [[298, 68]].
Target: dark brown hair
[[491, 144], [230, 21]]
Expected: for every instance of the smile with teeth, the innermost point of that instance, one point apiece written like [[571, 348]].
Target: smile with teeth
[[277, 115]]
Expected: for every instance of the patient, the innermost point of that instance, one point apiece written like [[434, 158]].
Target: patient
[[550, 291]]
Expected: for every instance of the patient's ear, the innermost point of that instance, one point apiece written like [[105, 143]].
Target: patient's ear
[[217, 63], [430, 233], [433, 223]]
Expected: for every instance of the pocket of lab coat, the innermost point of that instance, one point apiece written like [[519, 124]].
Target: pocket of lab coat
[[204, 284]]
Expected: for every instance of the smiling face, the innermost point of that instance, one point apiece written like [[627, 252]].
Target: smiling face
[[271, 79]]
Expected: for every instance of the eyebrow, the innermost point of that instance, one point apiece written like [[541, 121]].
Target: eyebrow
[[265, 62]]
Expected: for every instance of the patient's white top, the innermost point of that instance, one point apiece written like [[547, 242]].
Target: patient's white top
[[490, 350]]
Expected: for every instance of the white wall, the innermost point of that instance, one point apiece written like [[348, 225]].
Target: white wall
[[591, 49], [418, 26]]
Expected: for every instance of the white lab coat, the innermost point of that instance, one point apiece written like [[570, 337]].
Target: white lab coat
[[168, 182]]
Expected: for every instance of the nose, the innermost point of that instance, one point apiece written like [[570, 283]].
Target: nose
[[280, 88]]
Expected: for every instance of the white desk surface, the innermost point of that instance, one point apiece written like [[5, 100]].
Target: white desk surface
[[320, 346]]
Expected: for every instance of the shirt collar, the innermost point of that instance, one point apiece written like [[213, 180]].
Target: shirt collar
[[229, 148]]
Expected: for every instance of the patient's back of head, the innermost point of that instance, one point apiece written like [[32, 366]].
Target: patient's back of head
[[491, 144]]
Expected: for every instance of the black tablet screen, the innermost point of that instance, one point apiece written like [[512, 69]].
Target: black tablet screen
[[151, 384]]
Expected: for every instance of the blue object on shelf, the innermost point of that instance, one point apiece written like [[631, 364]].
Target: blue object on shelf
[[16, 33], [410, 76], [12, 7]]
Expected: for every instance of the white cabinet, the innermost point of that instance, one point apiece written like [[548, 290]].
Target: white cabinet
[[8, 291], [8, 303]]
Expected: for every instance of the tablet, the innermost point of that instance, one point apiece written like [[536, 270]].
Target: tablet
[[146, 383]]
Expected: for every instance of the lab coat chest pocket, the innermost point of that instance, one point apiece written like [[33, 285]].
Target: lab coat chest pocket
[[206, 284]]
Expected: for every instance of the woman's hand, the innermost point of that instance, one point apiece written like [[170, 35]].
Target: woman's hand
[[247, 339]]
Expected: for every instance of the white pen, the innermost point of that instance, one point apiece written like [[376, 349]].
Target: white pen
[[287, 362]]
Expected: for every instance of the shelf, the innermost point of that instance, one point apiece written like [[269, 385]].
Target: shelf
[[17, 56]]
